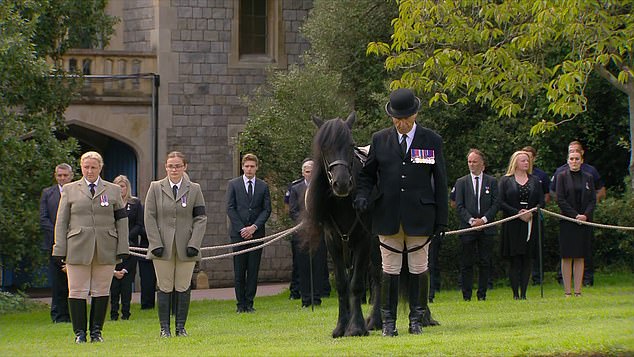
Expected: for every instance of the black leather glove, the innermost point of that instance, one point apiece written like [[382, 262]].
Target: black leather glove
[[158, 252], [439, 232], [59, 261], [122, 256], [192, 252], [360, 204]]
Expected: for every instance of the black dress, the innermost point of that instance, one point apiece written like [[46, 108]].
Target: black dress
[[514, 197], [574, 239]]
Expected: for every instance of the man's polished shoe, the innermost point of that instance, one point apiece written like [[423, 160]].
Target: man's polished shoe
[[466, 298], [482, 298], [241, 310]]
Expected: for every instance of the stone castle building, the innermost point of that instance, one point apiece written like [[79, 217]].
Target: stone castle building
[[172, 78]]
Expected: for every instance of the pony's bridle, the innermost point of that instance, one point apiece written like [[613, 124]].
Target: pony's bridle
[[330, 165]]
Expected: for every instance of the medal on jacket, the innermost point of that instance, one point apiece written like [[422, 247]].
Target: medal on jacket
[[423, 156], [104, 200], [486, 189], [127, 207], [184, 201]]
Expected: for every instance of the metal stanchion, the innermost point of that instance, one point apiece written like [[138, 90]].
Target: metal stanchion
[[539, 243]]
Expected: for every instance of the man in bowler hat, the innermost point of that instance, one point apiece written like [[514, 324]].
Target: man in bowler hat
[[407, 166]]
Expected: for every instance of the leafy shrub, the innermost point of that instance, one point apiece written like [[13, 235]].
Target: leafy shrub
[[15, 302]]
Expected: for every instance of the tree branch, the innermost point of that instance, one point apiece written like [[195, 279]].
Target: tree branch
[[607, 75]]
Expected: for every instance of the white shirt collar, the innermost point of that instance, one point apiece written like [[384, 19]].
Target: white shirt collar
[[177, 184], [96, 182], [246, 180]]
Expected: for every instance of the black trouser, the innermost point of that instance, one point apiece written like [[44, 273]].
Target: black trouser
[[121, 288], [294, 286], [519, 274], [434, 267], [59, 292], [476, 246], [246, 267], [148, 283], [318, 258]]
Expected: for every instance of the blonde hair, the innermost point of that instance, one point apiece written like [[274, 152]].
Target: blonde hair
[[92, 155], [123, 178], [510, 171], [250, 157]]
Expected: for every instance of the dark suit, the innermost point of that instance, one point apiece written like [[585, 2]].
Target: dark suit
[[123, 287], [307, 261], [244, 212], [411, 194], [57, 277], [574, 239], [467, 209]]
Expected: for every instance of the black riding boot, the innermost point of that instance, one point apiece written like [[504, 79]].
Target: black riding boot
[[77, 309], [98, 310], [389, 303], [424, 285], [164, 307], [182, 308], [416, 294]]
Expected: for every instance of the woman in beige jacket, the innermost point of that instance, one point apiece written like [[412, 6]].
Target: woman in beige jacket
[[91, 237], [175, 223]]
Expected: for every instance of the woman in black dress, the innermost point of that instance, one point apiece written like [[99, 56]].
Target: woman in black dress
[[576, 199], [124, 272], [519, 191]]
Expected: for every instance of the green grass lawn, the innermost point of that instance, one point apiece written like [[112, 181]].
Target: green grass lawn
[[601, 322]]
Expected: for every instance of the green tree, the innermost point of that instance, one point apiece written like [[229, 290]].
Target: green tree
[[33, 97], [502, 54]]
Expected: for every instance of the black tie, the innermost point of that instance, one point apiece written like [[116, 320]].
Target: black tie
[[404, 145], [250, 190], [92, 189], [175, 190], [477, 192]]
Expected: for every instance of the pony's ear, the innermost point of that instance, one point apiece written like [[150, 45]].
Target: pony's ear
[[317, 120], [351, 118]]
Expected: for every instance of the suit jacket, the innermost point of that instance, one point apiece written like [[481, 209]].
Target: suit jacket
[[566, 195], [48, 214], [410, 193], [467, 206], [242, 212], [179, 221], [297, 201], [85, 223]]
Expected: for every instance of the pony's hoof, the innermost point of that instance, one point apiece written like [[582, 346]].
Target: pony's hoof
[[337, 332]]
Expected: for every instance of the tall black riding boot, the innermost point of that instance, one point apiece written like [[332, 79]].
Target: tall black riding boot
[[77, 309], [424, 285], [389, 303], [416, 294], [182, 308], [164, 307], [98, 310]]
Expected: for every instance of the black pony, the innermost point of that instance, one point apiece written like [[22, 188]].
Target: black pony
[[329, 211]]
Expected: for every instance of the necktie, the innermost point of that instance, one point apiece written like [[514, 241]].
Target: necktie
[[175, 190], [92, 189], [477, 191], [404, 144], [250, 190]]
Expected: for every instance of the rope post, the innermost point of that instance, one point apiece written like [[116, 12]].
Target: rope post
[[539, 243]]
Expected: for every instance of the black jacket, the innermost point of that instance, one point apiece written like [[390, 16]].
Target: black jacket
[[466, 204], [410, 193], [243, 213]]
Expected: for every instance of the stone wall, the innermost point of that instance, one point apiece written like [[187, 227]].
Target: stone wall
[[138, 24], [207, 111]]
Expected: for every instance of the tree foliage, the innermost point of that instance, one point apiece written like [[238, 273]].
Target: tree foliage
[[502, 54], [33, 98]]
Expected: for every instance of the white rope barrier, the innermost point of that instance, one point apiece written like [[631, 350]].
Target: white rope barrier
[[592, 224], [270, 239]]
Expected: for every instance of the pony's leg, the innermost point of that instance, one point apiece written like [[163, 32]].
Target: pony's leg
[[361, 259], [373, 322], [341, 281]]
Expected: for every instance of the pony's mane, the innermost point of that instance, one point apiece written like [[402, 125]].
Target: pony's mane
[[334, 137]]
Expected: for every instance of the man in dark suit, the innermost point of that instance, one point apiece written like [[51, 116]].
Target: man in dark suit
[[407, 166], [56, 270], [476, 204], [310, 263], [248, 208]]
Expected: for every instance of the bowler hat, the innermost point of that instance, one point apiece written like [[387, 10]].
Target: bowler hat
[[403, 104]]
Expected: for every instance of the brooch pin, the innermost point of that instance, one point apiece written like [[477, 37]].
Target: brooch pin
[[486, 190], [104, 201], [184, 201]]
